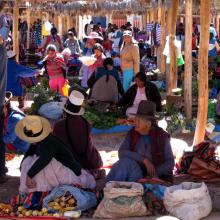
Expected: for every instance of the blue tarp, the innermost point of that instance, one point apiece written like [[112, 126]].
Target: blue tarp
[[115, 129], [14, 72]]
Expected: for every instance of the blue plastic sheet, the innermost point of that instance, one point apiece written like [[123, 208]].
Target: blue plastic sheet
[[115, 129], [85, 200]]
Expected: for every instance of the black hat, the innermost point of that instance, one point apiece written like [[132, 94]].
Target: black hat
[[146, 109]]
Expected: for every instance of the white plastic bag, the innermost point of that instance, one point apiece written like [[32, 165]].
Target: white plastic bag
[[188, 201]]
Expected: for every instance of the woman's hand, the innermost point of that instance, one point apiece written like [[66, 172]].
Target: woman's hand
[[150, 167], [30, 183]]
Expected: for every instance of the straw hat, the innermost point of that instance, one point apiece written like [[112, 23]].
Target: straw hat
[[74, 103], [33, 129], [93, 35]]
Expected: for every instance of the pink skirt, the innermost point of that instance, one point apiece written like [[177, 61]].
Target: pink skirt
[[53, 175]]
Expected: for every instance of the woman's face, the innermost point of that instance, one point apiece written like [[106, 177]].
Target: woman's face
[[127, 39], [51, 54], [97, 53], [142, 126], [139, 83]]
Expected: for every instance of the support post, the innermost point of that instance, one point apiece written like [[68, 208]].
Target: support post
[[188, 60], [28, 30], [217, 25], [162, 38], [60, 25], [15, 31], [55, 20], [173, 55], [203, 72]]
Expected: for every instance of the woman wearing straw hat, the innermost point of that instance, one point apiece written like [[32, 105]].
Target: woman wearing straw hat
[[146, 150], [75, 131], [48, 162]]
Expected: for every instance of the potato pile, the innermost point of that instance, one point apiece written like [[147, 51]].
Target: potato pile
[[5, 209], [64, 203]]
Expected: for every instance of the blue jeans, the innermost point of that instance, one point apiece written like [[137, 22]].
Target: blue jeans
[[125, 170], [128, 76]]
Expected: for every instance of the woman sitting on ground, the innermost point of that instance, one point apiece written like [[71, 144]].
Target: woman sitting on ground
[[105, 79], [48, 163], [12, 117], [142, 90], [146, 150], [75, 133]]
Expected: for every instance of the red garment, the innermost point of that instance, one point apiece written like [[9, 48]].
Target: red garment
[[98, 63], [107, 45], [9, 146], [56, 67]]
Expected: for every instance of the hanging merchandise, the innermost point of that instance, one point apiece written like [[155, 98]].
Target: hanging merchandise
[[46, 28], [166, 51]]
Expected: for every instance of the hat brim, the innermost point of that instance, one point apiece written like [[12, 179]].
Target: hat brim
[[127, 35], [89, 37], [81, 111], [19, 130], [146, 116]]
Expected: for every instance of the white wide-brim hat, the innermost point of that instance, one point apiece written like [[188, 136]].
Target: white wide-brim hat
[[93, 35], [74, 103], [33, 129]]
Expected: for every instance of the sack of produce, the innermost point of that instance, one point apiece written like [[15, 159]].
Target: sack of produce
[[51, 110], [69, 198], [121, 200], [188, 201]]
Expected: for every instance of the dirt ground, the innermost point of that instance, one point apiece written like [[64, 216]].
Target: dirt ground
[[108, 146]]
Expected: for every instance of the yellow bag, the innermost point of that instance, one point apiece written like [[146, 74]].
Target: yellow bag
[[65, 89]]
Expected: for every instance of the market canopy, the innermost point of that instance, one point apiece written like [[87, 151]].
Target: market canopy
[[106, 6]]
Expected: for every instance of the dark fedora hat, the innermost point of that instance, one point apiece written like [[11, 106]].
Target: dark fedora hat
[[146, 109]]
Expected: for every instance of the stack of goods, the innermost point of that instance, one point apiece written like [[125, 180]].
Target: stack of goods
[[64, 203], [5, 210]]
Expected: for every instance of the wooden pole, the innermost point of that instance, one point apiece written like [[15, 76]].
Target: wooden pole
[[28, 24], [203, 72], [217, 25], [188, 60], [162, 38], [55, 20], [15, 31], [173, 55], [60, 25]]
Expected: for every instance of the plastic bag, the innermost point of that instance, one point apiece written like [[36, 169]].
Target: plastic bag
[[85, 200], [51, 110], [121, 200], [188, 201], [65, 89]]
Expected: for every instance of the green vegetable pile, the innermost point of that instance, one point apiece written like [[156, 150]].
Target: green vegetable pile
[[42, 95], [102, 120]]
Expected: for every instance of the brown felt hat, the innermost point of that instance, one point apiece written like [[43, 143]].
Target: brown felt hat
[[146, 109]]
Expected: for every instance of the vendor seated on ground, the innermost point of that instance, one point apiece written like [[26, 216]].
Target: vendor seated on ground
[[146, 150], [48, 163], [12, 117], [105, 84], [141, 90], [75, 133]]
